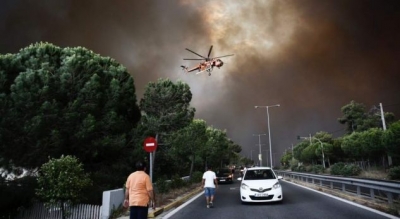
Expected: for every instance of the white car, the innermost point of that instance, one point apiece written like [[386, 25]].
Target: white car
[[260, 184]]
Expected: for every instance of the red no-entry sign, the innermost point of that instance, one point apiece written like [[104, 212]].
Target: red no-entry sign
[[150, 144]]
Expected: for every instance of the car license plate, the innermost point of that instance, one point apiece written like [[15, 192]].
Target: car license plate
[[222, 180], [261, 194]]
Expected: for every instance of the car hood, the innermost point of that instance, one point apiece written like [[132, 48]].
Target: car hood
[[267, 183]]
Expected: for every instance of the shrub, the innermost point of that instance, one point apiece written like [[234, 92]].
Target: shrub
[[301, 169], [177, 182], [351, 170], [336, 169], [394, 173], [162, 185], [196, 177], [317, 169]]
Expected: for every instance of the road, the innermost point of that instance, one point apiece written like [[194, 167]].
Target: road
[[298, 202]]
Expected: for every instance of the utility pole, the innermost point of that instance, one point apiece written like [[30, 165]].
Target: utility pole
[[259, 143], [384, 129]]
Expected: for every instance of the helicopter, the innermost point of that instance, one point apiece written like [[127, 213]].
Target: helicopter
[[207, 65]]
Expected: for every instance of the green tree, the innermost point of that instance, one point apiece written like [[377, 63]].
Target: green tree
[[216, 148], [70, 101], [187, 142], [372, 143], [165, 109], [308, 155], [61, 181], [354, 115], [391, 140], [358, 119], [352, 146], [327, 145], [298, 149]]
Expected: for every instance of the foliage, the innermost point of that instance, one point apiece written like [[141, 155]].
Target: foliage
[[61, 181], [166, 106], [176, 182], [336, 169], [286, 158], [165, 109], [345, 169], [353, 116], [391, 139], [294, 163], [308, 154], [394, 173], [351, 170], [317, 169], [162, 185], [70, 101], [186, 145], [352, 146], [196, 177], [300, 169]]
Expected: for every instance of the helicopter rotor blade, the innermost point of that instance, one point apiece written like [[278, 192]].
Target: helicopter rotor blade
[[209, 52], [195, 53], [193, 59], [222, 56]]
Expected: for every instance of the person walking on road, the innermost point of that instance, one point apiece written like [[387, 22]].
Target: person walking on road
[[139, 192], [209, 183]]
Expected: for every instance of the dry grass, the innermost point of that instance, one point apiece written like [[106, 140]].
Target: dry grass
[[374, 174], [171, 196]]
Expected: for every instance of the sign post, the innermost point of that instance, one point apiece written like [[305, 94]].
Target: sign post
[[150, 145]]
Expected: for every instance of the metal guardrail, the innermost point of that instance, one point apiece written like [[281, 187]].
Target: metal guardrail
[[390, 188]]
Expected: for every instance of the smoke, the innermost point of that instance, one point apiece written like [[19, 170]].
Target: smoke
[[311, 57]]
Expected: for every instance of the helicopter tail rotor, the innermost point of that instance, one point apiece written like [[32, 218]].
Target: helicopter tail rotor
[[184, 68]]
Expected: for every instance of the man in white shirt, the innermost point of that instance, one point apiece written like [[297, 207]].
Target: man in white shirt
[[209, 183]]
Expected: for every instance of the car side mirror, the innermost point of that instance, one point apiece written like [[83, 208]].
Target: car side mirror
[[280, 177]]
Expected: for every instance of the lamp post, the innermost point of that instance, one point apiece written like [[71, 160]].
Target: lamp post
[[269, 129], [259, 145]]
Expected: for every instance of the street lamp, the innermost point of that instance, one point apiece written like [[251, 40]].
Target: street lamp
[[269, 129], [259, 144], [322, 146]]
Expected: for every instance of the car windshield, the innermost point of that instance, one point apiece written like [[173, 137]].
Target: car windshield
[[259, 175], [223, 171]]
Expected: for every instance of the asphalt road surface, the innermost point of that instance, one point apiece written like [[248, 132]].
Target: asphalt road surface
[[298, 202]]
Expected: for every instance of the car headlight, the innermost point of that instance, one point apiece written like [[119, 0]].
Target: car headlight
[[244, 186], [276, 185]]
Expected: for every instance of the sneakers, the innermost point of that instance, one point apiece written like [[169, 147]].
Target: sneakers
[[211, 205], [208, 206]]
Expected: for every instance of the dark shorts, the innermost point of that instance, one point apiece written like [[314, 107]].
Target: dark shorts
[[208, 191], [138, 212]]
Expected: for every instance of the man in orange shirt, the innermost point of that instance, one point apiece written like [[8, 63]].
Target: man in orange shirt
[[139, 192]]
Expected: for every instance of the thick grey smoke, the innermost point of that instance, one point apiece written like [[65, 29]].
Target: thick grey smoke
[[312, 57]]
